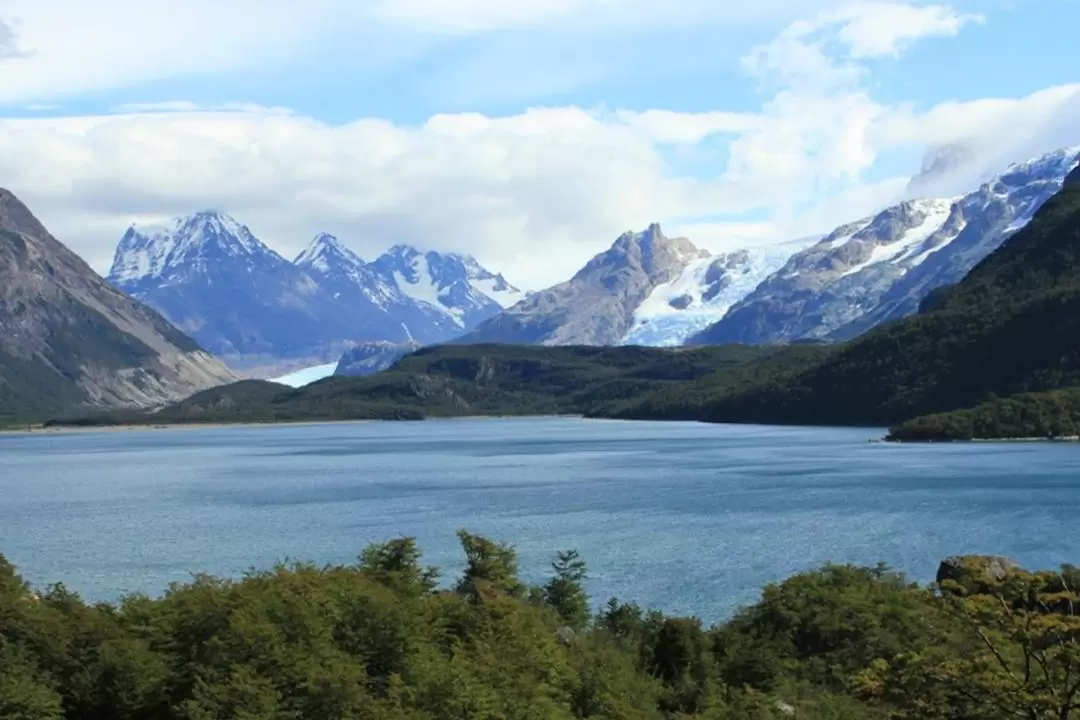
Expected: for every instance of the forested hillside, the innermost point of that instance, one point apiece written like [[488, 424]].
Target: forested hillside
[[384, 639]]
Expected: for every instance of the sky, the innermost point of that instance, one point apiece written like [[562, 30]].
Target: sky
[[530, 133]]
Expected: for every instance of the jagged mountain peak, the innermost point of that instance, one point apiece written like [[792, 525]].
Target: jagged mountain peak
[[649, 249], [183, 244], [1051, 165], [325, 251]]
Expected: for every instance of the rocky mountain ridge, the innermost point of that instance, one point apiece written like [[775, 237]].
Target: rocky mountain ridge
[[68, 339], [213, 278], [881, 268], [598, 305]]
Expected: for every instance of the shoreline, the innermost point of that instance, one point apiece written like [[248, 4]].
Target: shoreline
[[128, 427], [951, 441]]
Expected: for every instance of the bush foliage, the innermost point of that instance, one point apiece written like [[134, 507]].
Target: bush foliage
[[382, 639]]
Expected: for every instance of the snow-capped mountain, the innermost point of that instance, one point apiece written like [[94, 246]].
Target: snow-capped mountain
[[454, 285], [421, 297], [157, 254], [598, 305], [881, 268], [214, 279]]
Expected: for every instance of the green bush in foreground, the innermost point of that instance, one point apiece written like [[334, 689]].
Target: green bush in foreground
[[380, 640]]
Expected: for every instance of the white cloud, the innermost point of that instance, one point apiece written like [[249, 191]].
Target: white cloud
[[532, 193], [75, 47], [802, 55], [879, 29]]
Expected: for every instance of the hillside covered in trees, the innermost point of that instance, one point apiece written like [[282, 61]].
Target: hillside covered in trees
[[384, 639], [452, 381]]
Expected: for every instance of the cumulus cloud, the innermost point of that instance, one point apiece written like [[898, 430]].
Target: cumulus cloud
[[804, 54], [535, 193]]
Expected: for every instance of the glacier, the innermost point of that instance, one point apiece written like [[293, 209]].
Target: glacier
[[306, 376], [702, 294]]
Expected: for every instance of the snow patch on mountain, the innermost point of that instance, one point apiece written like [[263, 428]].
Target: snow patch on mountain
[[420, 284], [907, 249], [496, 288]]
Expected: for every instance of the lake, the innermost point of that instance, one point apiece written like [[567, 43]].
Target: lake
[[687, 518]]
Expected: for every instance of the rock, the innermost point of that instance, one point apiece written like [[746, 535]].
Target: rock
[[977, 569], [784, 708], [566, 635]]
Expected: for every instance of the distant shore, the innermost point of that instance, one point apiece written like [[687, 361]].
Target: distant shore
[[125, 427], [53, 429]]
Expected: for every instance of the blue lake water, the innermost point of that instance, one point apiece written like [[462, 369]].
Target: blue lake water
[[686, 518]]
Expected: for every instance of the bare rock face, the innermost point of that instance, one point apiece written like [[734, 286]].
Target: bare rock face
[[596, 306], [68, 339]]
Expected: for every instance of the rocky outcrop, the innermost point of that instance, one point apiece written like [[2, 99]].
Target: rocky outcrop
[[596, 306], [975, 573], [68, 339]]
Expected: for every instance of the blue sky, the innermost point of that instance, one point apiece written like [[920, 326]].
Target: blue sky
[[527, 133]]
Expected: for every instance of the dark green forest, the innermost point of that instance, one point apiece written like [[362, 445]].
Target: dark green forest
[[384, 638], [452, 381]]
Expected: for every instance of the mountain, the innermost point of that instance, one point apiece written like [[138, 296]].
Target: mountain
[[68, 339], [881, 268], [448, 294], [214, 279], [629, 293], [373, 357], [1009, 329]]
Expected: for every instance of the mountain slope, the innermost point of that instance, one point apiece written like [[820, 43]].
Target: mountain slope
[[880, 269], [68, 339], [1009, 327], [596, 306]]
